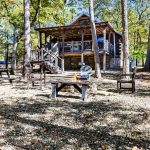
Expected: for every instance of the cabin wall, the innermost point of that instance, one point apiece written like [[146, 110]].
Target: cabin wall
[[72, 62]]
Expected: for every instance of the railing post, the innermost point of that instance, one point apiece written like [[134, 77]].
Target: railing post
[[56, 62]]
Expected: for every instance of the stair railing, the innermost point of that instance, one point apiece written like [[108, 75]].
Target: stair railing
[[54, 58]]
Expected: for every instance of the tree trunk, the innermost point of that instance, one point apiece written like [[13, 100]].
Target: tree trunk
[[27, 38], [94, 41], [15, 44], [126, 62], [147, 63]]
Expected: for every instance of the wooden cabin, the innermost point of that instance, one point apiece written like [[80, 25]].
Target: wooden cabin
[[74, 43]]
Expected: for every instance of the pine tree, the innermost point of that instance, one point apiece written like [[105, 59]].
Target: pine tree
[[126, 62], [27, 45]]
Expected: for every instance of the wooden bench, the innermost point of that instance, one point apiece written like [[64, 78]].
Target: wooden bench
[[58, 85], [127, 79]]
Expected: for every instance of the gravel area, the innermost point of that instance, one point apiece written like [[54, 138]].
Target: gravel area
[[29, 119]]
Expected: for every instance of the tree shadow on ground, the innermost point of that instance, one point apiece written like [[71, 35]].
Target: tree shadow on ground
[[143, 92], [94, 124], [69, 96], [113, 75], [143, 76]]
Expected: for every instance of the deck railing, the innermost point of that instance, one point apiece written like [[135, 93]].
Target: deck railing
[[70, 47]]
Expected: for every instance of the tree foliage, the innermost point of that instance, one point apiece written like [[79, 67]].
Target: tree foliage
[[43, 13], [138, 21]]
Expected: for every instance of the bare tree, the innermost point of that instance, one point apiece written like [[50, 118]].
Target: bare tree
[[27, 37], [94, 41], [126, 62]]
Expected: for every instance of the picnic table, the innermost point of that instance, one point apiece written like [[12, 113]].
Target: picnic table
[[59, 84]]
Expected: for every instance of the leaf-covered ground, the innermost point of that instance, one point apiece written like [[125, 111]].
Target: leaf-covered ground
[[105, 120]]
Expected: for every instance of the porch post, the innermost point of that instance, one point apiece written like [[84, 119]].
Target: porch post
[[104, 50], [50, 38], [72, 50], [82, 39], [109, 37], [114, 39], [109, 50], [40, 36], [104, 36], [63, 43], [104, 61], [45, 38], [121, 53]]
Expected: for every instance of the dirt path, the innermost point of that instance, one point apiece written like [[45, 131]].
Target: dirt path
[[106, 119]]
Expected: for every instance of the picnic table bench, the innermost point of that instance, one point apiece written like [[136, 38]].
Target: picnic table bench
[[59, 84]]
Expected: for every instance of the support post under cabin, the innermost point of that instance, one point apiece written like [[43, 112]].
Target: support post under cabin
[[82, 39], [104, 53]]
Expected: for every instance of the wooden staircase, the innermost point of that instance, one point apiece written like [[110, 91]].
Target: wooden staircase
[[50, 59]]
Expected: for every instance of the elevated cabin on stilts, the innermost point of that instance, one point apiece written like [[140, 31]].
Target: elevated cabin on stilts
[[68, 46]]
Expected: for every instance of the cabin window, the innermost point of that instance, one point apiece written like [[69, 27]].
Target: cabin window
[[87, 45], [67, 46], [84, 22], [76, 46], [100, 41]]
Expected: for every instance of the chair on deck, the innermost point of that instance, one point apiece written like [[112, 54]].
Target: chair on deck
[[127, 79]]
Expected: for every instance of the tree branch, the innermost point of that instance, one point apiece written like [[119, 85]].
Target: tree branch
[[36, 13]]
